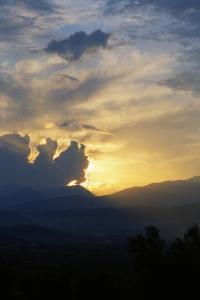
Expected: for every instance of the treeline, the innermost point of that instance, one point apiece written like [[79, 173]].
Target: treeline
[[164, 270], [151, 268]]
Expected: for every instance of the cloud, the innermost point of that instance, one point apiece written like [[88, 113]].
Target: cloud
[[186, 81], [77, 44], [179, 6], [69, 77], [27, 99], [41, 5], [173, 25], [86, 90], [22, 22], [45, 171], [20, 102], [75, 126], [95, 129]]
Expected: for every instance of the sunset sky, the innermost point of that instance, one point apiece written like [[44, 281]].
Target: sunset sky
[[121, 77]]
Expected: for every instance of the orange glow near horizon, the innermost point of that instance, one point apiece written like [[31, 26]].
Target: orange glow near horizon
[[110, 173]]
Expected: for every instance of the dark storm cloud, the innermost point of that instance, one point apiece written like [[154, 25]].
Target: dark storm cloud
[[77, 44], [45, 171]]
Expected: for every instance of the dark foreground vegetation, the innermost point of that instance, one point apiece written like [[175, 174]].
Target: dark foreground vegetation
[[148, 267]]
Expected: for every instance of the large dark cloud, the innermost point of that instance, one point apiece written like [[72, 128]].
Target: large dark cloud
[[77, 44], [45, 171]]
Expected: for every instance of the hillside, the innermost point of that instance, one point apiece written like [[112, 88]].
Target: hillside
[[168, 193]]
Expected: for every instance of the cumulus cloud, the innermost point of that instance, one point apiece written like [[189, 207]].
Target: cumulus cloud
[[45, 171], [77, 44]]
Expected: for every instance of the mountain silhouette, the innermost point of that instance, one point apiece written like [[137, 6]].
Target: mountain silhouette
[[167, 193], [171, 205], [14, 197], [33, 234]]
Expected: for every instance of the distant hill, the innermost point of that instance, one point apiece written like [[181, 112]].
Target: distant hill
[[74, 197], [32, 234], [72, 202], [119, 223], [76, 190], [9, 218], [168, 193], [14, 197], [43, 215]]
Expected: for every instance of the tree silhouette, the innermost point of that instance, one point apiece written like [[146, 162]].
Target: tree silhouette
[[147, 250], [158, 267]]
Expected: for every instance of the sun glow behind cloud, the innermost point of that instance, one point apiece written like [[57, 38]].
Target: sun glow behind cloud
[[72, 183]]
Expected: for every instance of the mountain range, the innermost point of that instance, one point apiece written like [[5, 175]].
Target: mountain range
[[163, 194], [76, 213]]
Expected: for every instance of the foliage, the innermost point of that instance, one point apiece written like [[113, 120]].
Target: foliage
[[172, 268]]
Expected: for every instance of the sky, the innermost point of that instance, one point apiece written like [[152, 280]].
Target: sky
[[104, 93]]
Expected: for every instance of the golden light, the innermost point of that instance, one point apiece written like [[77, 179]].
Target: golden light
[[72, 183], [90, 168], [49, 125]]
